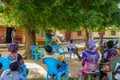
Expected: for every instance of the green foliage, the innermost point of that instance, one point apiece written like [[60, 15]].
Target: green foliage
[[64, 14]]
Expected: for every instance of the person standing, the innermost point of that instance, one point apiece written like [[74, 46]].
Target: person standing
[[73, 48], [48, 38], [13, 35]]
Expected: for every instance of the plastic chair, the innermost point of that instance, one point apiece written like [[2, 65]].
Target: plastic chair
[[5, 62], [24, 71], [58, 49], [52, 68], [113, 64], [36, 52]]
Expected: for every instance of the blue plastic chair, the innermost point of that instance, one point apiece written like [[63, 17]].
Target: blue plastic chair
[[5, 62], [58, 49], [24, 71], [52, 68], [36, 52]]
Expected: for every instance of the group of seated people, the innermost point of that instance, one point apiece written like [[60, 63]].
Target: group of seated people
[[15, 65], [90, 59]]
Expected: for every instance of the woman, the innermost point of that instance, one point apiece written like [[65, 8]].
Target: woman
[[108, 54], [14, 55], [89, 59]]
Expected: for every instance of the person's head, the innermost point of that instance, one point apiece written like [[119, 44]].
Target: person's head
[[13, 48], [14, 66], [49, 50], [110, 44], [49, 31], [71, 41], [91, 44]]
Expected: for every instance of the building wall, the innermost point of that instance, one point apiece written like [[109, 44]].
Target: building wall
[[108, 34], [75, 36], [2, 31], [18, 33], [2, 34]]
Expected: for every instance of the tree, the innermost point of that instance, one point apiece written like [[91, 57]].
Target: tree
[[35, 15]]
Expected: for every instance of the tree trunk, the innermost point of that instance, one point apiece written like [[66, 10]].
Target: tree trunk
[[90, 35], [87, 36], [30, 37]]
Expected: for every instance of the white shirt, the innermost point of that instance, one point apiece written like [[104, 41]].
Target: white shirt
[[13, 33], [72, 46]]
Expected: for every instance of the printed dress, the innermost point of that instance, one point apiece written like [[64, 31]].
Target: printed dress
[[91, 59]]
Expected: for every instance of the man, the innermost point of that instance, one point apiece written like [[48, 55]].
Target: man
[[74, 48]]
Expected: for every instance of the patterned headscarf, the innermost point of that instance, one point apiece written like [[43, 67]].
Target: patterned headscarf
[[91, 44], [13, 48]]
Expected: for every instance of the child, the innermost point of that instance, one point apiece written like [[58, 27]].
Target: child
[[13, 73]]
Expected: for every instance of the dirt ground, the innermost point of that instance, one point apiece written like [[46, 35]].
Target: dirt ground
[[74, 64]]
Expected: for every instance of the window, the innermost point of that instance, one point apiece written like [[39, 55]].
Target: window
[[113, 33], [79, 33]]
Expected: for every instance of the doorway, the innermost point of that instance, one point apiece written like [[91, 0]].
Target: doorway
[[8, 35], [68, 36]]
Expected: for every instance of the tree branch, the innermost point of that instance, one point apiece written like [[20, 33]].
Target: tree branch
[[6, 4]]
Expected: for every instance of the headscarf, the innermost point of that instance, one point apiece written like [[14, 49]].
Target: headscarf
[[13, 48], [91, 44]]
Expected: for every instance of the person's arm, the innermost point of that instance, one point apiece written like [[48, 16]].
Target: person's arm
[[75, 46], [20, 59], [83, 58], [69, 46], [83, 62]]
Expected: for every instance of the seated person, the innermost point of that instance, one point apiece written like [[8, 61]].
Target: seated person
[[107, 55], [90, 59], [50, 53], [14, 55], [74, 49], [13, 73]]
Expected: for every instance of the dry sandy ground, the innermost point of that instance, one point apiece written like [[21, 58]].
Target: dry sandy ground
[[38, 69]]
